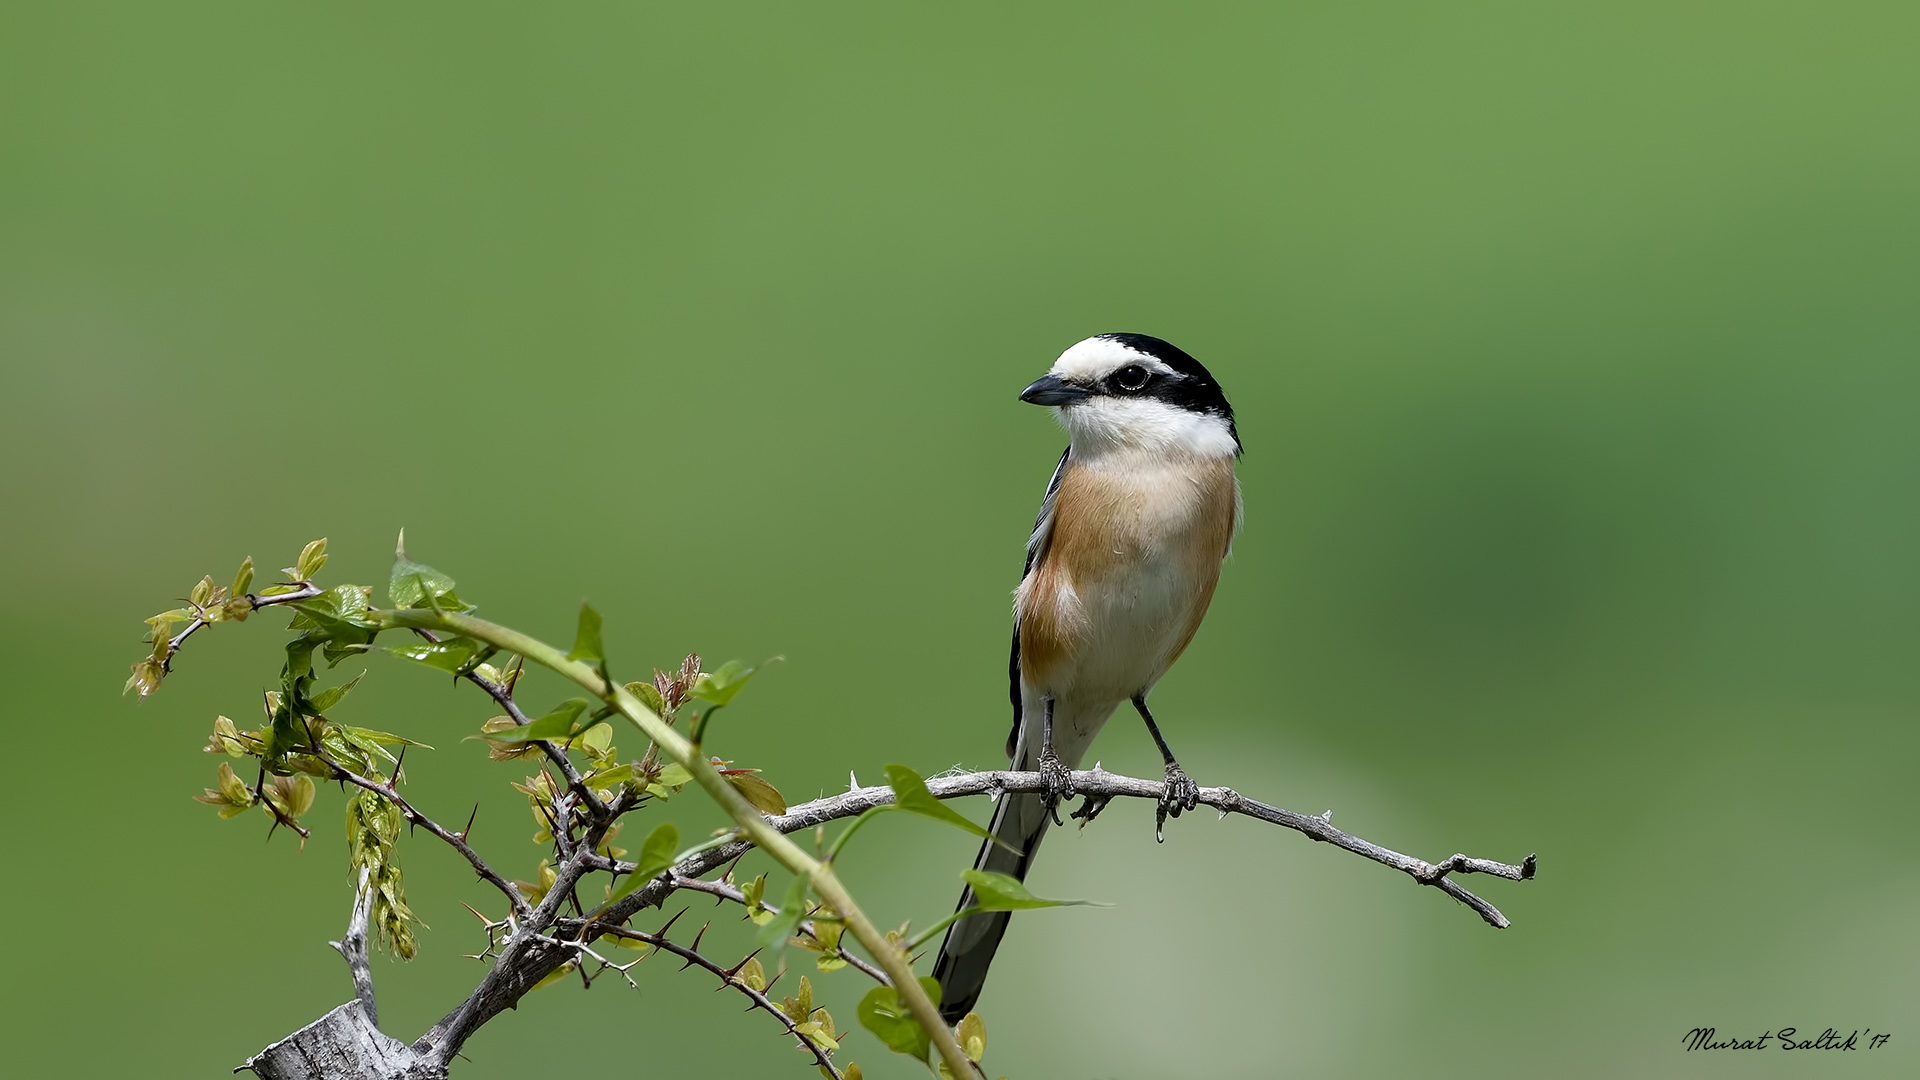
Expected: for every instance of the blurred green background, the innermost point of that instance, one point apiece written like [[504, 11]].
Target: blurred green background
[[1575, 353]]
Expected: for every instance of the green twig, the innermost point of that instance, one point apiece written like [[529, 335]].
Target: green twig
[[927, 935]]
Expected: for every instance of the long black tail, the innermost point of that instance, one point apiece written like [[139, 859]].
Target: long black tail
[[1021, 821]]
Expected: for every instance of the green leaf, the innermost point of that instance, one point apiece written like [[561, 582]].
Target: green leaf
[[586, 638], [828, 934], [817, 1033], [719, 687], [556, 725], [370, 737], [451, 656], [339, 609], [673, 775], [145, 678], [800, 1005], [606, 779], [971, 1034], [412, 584], [793, 907], [174, 616], [753, 892], [656, 855], [337, 619], [232, 786], [596, 739], [312, 558], [764, 796], [753, 974], [328, 698], [883, 1013], [293, 795], [243, 580], [649, 696], [1000, 892], [910, 794]]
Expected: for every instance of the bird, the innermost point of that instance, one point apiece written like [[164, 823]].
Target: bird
[[1121, 566]]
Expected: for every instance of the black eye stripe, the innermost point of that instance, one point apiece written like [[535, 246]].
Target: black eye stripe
[[1185, 382]]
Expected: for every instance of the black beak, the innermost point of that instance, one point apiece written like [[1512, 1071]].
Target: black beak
[[1053, 390]]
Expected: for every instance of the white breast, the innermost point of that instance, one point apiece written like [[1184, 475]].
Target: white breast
[[1129, 567]]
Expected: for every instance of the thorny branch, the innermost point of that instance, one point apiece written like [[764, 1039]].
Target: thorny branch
[[1105, 785], [528, 956], [540, 942], [693, 957], [722, 889], [502, 695], [307, 590], [725, 891]]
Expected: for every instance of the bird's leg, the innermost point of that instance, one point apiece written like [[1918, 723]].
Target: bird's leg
[[1059, 778], [1181, 792]]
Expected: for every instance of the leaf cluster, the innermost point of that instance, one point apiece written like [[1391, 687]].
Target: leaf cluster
[[578, 794]]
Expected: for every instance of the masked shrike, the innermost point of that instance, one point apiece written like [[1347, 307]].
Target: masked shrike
[[1120, 568]]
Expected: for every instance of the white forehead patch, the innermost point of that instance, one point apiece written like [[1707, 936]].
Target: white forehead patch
[[1097, 357]]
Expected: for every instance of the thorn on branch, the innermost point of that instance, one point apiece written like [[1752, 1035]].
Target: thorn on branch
[[668, 925], [735, 969], [756, 999]]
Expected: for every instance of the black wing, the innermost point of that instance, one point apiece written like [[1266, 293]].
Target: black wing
[[1036, 542]]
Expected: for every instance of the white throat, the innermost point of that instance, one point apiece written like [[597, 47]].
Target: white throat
[[1105, 426]]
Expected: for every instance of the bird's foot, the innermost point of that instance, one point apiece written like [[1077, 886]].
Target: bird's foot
[[1059, 780], [1181, 793], [1090, 807]]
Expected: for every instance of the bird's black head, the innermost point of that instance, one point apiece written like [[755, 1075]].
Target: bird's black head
[[1134, 389]]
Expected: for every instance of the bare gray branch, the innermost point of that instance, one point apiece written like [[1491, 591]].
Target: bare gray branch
[[354, 947], [1101, 784], [346, 1042]]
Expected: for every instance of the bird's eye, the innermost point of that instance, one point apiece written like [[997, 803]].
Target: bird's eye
[[1132, 377]]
